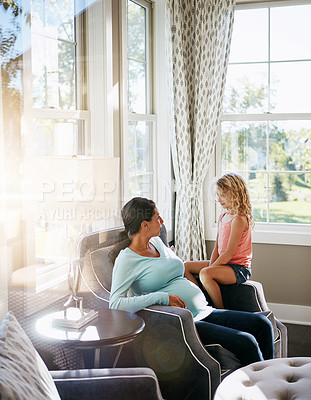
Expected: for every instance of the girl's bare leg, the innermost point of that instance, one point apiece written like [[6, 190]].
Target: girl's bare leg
[[211, 276], [194, 268]]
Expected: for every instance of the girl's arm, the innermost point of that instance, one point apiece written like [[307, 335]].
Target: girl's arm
[[215, 253], [238, 226]]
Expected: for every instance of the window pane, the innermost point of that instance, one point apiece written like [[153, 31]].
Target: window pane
[[290, 145], [56, 137], [257, 186], [66, 76], [140, 136], [291, 87], [53, 18], [136, 58], [140, 156], [53, 54], [140, 146], [243, 146], [53, 73], [290, 198], [250, 26], [44, 72], [290, 33], [136, 32], [246, 89], [141, 185], [281, 193], [136, 87]]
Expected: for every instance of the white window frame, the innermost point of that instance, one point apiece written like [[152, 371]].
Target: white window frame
[[270, 233], [101, 90], [128, 116], [96, 124]]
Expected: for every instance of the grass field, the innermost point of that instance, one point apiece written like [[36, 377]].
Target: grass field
[[298, 212], [297, 208]]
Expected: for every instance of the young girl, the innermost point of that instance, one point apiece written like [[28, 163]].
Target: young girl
[[230, 261]]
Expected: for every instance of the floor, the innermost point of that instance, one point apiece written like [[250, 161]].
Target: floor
[[299, 340]]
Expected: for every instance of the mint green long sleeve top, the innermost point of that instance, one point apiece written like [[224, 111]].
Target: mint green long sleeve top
[[151, 280]]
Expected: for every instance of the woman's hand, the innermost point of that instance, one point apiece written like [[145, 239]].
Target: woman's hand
[[176, 301]]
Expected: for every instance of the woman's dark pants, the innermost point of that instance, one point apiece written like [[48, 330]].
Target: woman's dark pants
[[248, 335]]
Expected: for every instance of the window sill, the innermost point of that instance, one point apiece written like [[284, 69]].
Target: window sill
[[295, 235]]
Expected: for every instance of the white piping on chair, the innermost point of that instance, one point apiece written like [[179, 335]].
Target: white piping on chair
[[102, 377], [224, 372], [97, 378], [256, 295]]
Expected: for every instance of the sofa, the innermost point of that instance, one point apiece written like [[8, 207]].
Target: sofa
[[169, 344], [24, 375]]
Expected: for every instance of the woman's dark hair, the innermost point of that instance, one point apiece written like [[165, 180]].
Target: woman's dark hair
[[133, 213], [136, 211]]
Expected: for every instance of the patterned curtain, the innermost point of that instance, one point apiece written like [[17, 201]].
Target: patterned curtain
[[199, 36]]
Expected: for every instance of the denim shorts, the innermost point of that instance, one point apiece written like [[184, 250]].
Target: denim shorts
[[241, 272]]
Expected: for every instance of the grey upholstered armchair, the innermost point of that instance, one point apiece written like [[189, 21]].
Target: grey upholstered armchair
[[169, 344]]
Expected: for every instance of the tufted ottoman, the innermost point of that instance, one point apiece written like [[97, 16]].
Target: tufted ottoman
[[277, 379]]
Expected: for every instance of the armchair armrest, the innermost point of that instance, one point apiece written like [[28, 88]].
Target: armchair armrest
[[249, 296], [172, 348], [115, 383]]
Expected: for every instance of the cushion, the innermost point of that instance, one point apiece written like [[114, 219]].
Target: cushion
[[97, 269], [23, 374], [163, 235]]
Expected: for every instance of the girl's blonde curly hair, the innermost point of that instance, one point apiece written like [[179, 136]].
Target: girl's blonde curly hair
[[239, 196]]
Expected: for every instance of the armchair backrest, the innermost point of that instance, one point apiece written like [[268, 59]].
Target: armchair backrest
[[95, 262]]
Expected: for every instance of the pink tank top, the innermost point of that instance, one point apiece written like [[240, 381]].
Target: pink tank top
[[243, 255]]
